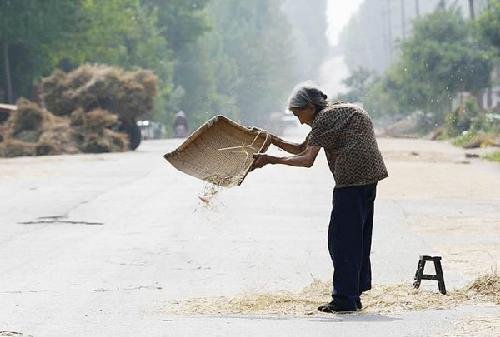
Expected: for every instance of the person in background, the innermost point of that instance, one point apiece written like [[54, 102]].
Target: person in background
[[180, 125], [346, 134]]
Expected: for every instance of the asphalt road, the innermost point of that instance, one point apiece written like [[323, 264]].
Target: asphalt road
[[96, 245]]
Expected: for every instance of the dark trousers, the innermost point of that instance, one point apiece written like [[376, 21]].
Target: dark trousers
[[350, 240]]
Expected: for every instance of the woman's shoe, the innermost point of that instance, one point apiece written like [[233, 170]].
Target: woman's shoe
[[338, 305]]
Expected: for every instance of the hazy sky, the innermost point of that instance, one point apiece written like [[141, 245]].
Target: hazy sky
[[339, 12], [334, 70]]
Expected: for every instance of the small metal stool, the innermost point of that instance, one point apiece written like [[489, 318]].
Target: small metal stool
[[419, 275]]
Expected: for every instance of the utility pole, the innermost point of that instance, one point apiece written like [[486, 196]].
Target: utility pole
[[417, 8], [471, 9], [403, 19]]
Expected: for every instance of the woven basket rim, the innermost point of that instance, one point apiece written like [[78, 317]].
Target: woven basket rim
[[265, 145], [205, 126]]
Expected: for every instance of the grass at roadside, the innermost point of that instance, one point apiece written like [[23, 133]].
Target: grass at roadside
[[494, 156], [475, 139]]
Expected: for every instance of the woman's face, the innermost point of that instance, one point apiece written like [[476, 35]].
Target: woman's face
[[306, 114]]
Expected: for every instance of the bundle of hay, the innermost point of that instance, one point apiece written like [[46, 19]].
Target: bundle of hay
[[89, 88], [27, 122], [33, 131], [481, 139], [92, 109], [126, 94], [94, 134]]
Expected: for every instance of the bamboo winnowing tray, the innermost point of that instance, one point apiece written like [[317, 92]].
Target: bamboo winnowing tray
[[220, 152]]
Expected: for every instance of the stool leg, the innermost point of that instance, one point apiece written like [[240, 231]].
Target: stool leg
[[440, 277], [419, 273]]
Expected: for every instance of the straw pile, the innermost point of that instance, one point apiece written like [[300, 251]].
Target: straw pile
[[84, 109], [381, 299], [33, 131], [94, 134], [125, 94], [481, 140], [90, 88]]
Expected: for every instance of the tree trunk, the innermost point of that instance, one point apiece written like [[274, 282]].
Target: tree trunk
[[471, 9], [403, 19], [8, 81]]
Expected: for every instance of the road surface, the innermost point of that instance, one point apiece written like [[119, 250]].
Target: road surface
[[97, 245]]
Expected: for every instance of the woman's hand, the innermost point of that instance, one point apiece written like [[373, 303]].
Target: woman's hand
[[260, 160], [275, 140]]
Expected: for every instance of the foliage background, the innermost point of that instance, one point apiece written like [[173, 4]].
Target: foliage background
[[239, 58]]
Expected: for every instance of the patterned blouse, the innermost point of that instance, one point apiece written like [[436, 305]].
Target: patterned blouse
[[345, 132]]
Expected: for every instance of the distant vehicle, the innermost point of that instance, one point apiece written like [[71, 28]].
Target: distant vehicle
[[151, 130]]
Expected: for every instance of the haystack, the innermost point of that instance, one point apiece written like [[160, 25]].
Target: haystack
[[126, 94], [94, 134], [33, 131], [14, 148], [92, 109]]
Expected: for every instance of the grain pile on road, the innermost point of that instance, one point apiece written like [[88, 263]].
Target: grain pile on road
[[381, 299], [89, 110]]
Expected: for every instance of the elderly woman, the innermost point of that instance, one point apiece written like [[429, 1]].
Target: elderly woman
[[345, 132]]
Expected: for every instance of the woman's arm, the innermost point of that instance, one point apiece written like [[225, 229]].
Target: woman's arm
[[305, 159], [293, 148]]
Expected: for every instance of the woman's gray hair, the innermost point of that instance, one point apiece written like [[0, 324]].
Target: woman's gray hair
[[305, 94]]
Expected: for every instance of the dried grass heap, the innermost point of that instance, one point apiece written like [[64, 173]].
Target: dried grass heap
[[125, 94], [381, 299], [84, 110], [33, 131]]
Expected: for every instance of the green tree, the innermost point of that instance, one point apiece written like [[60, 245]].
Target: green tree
[[358, 83], [37, 36], [379, 101], [180, 21], [126, 34], [308, 29], [183, 23], [440, 59], [253, 36], [30, 30], [241, 67], [489, 25]]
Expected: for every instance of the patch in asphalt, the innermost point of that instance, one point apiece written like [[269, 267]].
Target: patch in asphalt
[[13, 334], [58, 219]]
